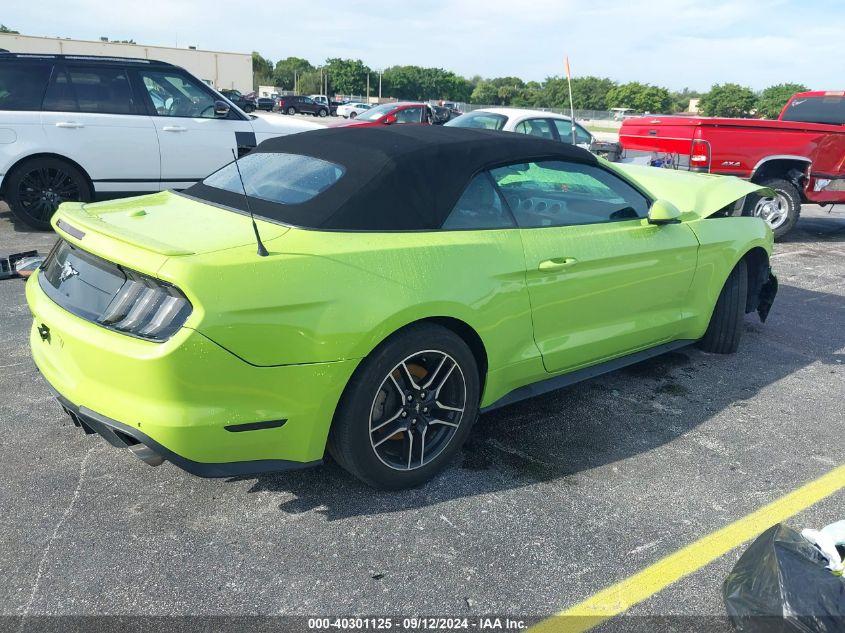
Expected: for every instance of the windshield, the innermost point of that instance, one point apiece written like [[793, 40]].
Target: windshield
[[826, 109], [377, 112], [281, 178], [480, 119]]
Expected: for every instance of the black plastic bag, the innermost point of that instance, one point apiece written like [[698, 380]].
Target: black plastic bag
[[780, 584]]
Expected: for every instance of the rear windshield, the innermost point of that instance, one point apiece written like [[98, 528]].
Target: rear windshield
[[22, 85], [826, 109], [480, 119], [280, 178], [377, 112]]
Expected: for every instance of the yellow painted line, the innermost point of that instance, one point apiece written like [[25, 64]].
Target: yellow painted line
[[620, 597]]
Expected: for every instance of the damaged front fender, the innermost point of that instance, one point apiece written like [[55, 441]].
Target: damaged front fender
[[696, 195], [766, 296]]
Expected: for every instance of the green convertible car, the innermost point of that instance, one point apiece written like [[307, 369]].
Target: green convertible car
[[396, 282]]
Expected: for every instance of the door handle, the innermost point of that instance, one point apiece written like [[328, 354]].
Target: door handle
[[558, 263], [69, 124], [174, 128]]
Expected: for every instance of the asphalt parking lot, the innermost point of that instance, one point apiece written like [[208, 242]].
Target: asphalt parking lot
[[551, 501]]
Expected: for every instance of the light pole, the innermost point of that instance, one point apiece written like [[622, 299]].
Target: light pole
[[379, 85], [368, 86]]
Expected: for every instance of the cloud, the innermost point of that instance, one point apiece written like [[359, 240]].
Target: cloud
[[674, 43]]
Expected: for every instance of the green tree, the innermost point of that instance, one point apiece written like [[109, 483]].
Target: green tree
[[530, 96], [588, 93], [6, 29], [499, 91], [485, 93], [262, 70], [289, 68], [640, 97], [347, 76], [773, 98], [728, 100], [307, 83], [680, 100], [415, 82]]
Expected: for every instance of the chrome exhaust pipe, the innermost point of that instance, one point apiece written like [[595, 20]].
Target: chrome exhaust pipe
[[146, 454]]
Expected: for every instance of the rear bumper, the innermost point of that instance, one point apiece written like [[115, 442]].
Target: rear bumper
[[122, 435], [187, 399]]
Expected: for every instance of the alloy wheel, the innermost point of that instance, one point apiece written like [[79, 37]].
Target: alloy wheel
[[417, 410], [773, 210], [42, 190]]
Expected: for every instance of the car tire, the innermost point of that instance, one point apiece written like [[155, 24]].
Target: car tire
[[352, 115], [395, 375], [786, 210], [249, 109], [725, 327], [291, 110], [60, 181], [323, 113]]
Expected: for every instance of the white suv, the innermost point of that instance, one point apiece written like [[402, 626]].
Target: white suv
[[91, 128]]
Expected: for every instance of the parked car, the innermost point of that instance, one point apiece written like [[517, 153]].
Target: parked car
[[331, 104], [517, 265], [89, 128], [266, 103], [549, 125], [297, 104], [798, 156], [390, 113], [235, 96], [441, 114], [352, 109]]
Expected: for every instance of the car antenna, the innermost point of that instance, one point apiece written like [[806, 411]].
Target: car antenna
[[262, 252]]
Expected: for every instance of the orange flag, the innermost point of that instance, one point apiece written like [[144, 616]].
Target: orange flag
[[568, 74]]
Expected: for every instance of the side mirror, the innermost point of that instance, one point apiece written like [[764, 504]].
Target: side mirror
[[663, 212], [221, 109], [390, 119]]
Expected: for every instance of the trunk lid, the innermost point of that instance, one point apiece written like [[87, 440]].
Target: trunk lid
[[695, 194], [164, 223]]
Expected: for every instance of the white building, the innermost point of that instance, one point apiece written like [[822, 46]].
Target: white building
[[216, 68]]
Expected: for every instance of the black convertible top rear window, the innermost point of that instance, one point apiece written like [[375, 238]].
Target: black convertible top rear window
[[396, 178], [282, 178]]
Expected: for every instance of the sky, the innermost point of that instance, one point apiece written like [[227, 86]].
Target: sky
[[677, 43]]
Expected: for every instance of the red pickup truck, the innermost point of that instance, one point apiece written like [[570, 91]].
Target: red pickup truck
[[800, 156]]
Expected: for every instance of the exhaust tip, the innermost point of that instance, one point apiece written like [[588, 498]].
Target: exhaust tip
[[146, 454]]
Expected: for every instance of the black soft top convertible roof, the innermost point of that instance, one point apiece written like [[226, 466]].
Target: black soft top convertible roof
[[397, 178]]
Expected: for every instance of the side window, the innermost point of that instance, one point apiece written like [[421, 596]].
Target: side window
[[558, 193], [409, 115], [174, 94], [60, 96], [479, 207], [582, 136], [564, 130], [98, 90], [22, 85], [535, 127]]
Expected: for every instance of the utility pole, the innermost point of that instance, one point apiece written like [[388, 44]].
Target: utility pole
[[379, 85], [321, 78], [368, 87], [294, 81]]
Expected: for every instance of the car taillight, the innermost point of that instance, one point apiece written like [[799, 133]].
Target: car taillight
[[700, 155], [111, 295], [147, 308]]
